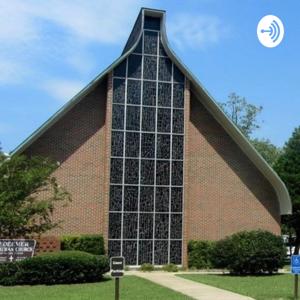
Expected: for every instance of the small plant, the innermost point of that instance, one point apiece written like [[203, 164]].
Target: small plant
[[199, 254], [250, 252], [146, 268], [170, 268], [91, 243]]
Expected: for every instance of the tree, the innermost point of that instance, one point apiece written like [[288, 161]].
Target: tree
[[288, 168], [267, 150], [242, 113], [28, 192]]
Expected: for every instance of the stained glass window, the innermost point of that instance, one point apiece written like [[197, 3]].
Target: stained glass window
[[147, 143]]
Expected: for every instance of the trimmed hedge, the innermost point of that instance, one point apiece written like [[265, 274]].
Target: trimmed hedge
[[91, 243], [199, 254], [250, 252], [55, 268]]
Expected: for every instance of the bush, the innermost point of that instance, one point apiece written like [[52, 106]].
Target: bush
[[170, 268], [55, 268], [250, 252], [92, 243], [199, 254], [146, 267]]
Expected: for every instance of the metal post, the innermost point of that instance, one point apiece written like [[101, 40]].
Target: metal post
[[117, 288], [296, 287]]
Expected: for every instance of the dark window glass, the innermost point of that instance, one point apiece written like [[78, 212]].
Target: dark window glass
[[129, 252], [114, 248], [178, 120], [160, 252], [130, 225], [176, 226], [120, 69], [177, 173], [164, 120], [148, 145], [162, 199], [150, 67], [132, 144], [134, 66], [116, 170], [177, 146], [163, 146], [148, 119], [176, 199], [146, 226], [145, 252], [117, 140], [147, 172], [162, 51], [149, 93], [146, 198], [114, 225], [178, 95], [131, 171], [133, 117], [131, 194], [152, 23], [119, 91], [118, 116], [138, 48], [162, 172], [115, 201], [133, 91], [161, 226], [165, 69], [178, 75], [150, 42], [175, 252], [164, 94]]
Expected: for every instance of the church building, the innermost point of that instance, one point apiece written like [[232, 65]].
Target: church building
[[150, 159]]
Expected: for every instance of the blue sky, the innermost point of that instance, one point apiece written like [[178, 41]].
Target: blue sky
[[51, 49]]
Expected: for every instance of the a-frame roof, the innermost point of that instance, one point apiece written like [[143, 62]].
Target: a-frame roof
[[199, 91]]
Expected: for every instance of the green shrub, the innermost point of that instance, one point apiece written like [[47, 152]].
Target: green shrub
[[92, 243], [55, 268], [146, 267], [170, 268], [250, 252], [199, 254]]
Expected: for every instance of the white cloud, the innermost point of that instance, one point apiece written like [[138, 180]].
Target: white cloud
[[61, 89], [196, 31]]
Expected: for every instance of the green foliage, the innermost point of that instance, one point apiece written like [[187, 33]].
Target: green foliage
[[146, 267], [170, 268], [91, 243], [250, 252], [199, 254], [267, 150], [55, 268], [288, 168], [242, 113], [22, 211]]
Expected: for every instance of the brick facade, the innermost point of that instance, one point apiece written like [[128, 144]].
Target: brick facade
[[223, 191]]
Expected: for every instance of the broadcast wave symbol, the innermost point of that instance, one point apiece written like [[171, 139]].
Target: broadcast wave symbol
[[274, 31]]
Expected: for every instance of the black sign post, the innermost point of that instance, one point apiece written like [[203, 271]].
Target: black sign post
[[16, 249], [117, 265]]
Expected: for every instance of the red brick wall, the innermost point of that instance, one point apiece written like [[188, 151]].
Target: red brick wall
[[78, 142], [225, 192]]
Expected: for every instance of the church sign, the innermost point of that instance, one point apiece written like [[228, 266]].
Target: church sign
[[16, 249]]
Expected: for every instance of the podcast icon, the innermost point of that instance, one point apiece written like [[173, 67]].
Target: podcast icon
[[270, 31]]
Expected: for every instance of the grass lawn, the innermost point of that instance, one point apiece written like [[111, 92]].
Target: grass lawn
[[131, 287], [276, 287]]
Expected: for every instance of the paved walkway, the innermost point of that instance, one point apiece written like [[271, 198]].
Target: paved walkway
[[187, 287]]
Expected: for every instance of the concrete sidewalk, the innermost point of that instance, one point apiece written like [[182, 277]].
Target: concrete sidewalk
[[190, 288]]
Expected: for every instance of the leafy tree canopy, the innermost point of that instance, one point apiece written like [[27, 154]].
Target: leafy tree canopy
[[28, 192]]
